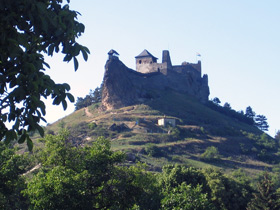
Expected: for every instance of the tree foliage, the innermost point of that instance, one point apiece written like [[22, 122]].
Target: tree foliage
[[186, 197], [250, 113], [211, 153], [216, 101], [88, 178], [277, 135], [31, 29], [95, 177], [91, 98], [12, 166], [225, 192], [210, 186], [227, 110], [261, 122], [266, 196], [227, 106]]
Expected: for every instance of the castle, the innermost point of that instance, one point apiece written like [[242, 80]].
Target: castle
[[123, 86], [147, 63]]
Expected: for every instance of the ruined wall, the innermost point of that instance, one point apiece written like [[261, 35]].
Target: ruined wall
[[123, 86]]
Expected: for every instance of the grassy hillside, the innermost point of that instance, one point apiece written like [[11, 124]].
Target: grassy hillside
[[134, 130]]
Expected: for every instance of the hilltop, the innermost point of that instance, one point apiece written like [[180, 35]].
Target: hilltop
[[202, 133], [134, 129]]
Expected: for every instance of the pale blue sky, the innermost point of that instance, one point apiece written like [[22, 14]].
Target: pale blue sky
[[239, 43]]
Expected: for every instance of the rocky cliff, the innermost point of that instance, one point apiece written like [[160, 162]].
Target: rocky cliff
[[123, 86]]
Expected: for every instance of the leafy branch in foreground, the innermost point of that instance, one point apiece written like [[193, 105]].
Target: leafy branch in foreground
[[29, 30]]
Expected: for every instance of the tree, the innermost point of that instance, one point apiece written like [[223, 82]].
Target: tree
[[96, 94], [186, 197], [277, 135], [83, 102], [261, 122], [87, 178], [173, 176], [91, 98], [12, 166], [227, 106], [216, 101], [184, 188], [250, 113], [266, 196], [225, 192], [31, 29], [211, 153]]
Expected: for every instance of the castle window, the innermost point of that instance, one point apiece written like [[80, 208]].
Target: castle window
[[140, 61]]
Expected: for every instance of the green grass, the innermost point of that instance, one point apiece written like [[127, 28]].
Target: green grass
[[198, 127]]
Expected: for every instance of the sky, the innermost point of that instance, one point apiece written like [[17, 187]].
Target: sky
[[239, 43]]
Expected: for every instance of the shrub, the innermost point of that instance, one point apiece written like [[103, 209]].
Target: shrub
[[211, 153], [92, 125], [202, 130], [153, 150], [175, 133]]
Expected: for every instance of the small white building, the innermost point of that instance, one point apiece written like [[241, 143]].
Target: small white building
[[167, 121]]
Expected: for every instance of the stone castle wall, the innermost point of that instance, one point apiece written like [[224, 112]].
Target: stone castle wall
[[123, 86], [149, 64]]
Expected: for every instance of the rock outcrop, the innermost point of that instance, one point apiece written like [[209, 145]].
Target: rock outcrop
[[123, 86]]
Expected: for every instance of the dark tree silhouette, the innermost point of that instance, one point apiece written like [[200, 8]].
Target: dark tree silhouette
[[227, 105], [91, 98], [31, 30], [277, 136], [261, 122], [216, 101], [250, 113]]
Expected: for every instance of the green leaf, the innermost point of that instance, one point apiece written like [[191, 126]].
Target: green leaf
[[76, 64], [56, 101], [67, 58], [70, 97], [41, 130], [86, 49], [50, 49], [42, 107], [29, 143], [64, 104], [46, 64], [66, 86], [10, 135], [85, 54], [22, 138]]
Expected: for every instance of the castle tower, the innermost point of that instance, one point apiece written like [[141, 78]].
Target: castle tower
[[113, 54], [166, 58], [145, 61]]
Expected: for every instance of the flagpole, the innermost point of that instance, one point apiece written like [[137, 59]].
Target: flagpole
[[197, 55]]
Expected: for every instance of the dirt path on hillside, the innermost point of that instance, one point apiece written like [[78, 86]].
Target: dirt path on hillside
[[88, 114]]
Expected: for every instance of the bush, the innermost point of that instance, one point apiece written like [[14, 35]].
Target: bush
[[211, 153], [92, 125], [187, 197], [153, 150], [175, 133]]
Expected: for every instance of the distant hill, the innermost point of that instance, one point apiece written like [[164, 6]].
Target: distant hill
[[205, 134], [135, 130]]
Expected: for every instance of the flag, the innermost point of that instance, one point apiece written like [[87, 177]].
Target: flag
[[197, 54]]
